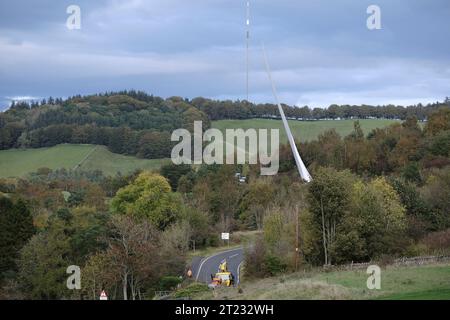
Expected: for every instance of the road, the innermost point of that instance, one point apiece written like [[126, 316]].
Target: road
[[202, 268]]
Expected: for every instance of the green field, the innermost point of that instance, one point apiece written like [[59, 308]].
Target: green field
[[431, 282], [18, 162], [398, 283], [303, 130]]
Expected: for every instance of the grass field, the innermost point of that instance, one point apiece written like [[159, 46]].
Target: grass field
[[303, 130], [17, 163], [400, 283]]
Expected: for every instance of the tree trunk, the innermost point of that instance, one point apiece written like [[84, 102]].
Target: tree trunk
[[323, 232], [125, 286]]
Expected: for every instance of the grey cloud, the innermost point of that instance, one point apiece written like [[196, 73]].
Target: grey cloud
[[320, 51]]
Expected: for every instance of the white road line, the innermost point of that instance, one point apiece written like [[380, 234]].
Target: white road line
[[234, 255], [239, 272], [214, 255]]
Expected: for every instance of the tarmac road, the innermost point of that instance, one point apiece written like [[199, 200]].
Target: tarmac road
[[202, 268]]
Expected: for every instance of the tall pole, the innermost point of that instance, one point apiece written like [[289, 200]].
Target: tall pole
[[297, 231], [248, 40]]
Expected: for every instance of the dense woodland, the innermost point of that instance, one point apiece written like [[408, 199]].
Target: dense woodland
[[373, 197], [135, 123], [120, 121]]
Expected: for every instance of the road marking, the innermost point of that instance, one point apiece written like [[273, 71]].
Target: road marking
[[238, 272], [234, 255], [214, 255]]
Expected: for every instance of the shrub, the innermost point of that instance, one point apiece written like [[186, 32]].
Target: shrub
[[169, 283], [273, 265], [438, 242], [191, 289], [254, 260]]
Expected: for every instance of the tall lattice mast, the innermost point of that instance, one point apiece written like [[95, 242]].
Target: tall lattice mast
[[248, 41]]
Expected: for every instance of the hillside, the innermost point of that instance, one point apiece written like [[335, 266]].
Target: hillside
[[17, 162], [135, 123], [397, 283], [303, 130], [128, 124]]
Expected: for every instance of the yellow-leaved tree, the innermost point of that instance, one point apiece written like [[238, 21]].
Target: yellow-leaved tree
[[150, 197]]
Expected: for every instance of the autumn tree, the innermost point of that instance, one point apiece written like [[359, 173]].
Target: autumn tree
[[421, 218], [149, 196], [218, 193], [256, 200], [329, 199], [374, 225], [357, 153], [16, 228], [327, 150], [173, 173], [438, 121], [100, 274], [133, 251], [436, 194], [43, 262]]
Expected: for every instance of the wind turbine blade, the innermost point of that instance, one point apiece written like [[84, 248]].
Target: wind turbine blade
[[298, 160]]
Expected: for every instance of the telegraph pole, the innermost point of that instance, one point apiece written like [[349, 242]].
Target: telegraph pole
[[297, 231]]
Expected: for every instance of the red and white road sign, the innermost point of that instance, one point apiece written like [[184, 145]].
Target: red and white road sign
[[103, 295]]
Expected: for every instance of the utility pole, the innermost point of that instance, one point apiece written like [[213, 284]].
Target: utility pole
[[297, 231]]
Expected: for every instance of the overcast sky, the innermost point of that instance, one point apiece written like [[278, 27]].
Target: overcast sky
[[321, 51]]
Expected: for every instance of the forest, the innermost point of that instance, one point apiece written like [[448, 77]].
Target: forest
[[374, 197], [135, 123]]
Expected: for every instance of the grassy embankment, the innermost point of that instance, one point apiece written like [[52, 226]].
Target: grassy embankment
[[397, 283]]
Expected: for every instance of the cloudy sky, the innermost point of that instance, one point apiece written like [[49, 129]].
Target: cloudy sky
[[321, 51]]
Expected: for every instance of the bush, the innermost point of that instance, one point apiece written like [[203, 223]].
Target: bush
[[254, 260], [273, 265], [438, 242], [212, 241], [169, 283], [191, 289]]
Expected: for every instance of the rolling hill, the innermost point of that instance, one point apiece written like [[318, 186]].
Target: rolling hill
[[19, 162], [303, 130]]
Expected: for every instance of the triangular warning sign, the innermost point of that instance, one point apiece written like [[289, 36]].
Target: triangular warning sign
[[103, 295]]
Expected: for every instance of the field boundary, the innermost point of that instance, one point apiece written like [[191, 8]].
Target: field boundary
[[400, 262], [79, 164]]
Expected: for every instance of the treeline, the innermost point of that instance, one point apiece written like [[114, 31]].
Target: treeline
[[404, 146], [118, 120], [123, 140], [218, 110], [93, 119]]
